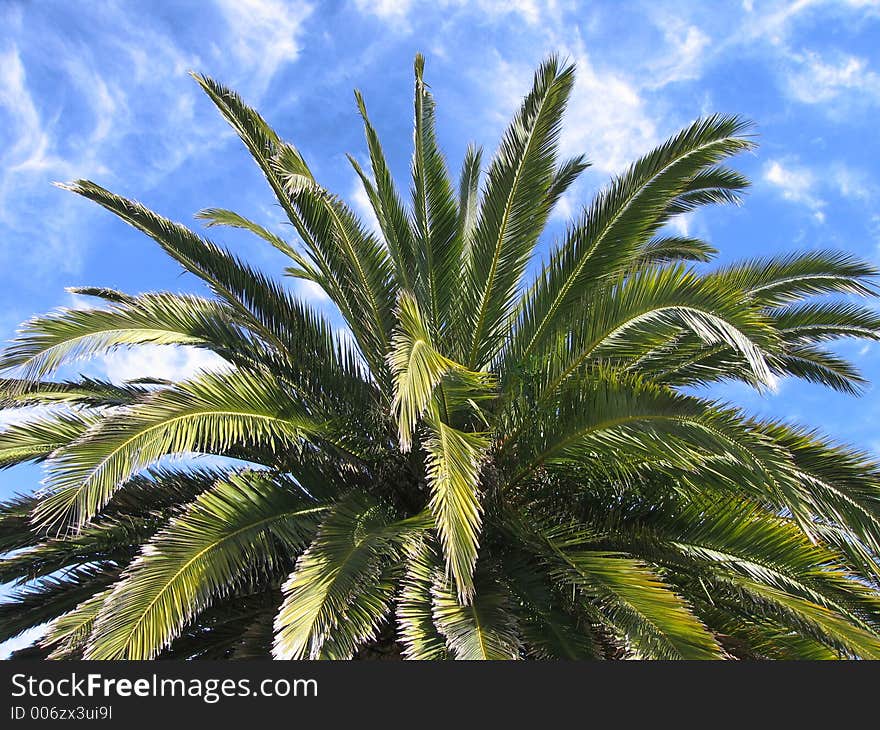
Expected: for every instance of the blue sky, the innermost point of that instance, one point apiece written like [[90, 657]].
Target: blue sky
[[100, 90]]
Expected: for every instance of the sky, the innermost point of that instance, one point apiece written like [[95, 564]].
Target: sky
[[100, 90]]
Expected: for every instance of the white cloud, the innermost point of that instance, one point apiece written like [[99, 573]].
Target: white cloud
[[611, 133], [797, 184], [153, 361], [681, 224], [28, 159], [809, 188], [265, 35], [874, 228], [614, 132], [361, 203], [851, 183], [684, 55], [107, 103], [815, 80], [29, 142], [385, 9], [399, 12], [528, 10], [310, 291], [565, 207]]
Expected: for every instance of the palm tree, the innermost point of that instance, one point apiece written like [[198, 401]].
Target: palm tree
[[475, 467]]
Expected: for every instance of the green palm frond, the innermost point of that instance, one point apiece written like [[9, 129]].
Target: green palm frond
[[671, 249], [469, 198], [46, 343], [435, 213], [339, 592], [47, 598], [230, 531], [656, 622], [67, 635], [776, 281], [550, 629], [86, 392], [414, 606], [418, 369], [515, 204], [208, 414], [35, 439], [454, 460], [16, 530], [214, 217], [711, 185], [389, 209], [629, 312], [611, 231], [354, 267], [113, 540]]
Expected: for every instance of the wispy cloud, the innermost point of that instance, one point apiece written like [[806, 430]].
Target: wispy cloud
[[685, 53], [385, 9], [28, 143], [399, 11], [812, 187], [29, 157], [797, 184], [853, 184], [164, 362], [612, 133], [818, 80], [265, 35]]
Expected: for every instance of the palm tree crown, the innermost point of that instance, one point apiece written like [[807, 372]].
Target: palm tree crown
[[479, 466]]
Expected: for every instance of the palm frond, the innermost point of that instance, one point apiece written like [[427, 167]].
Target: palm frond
[[208, 414], [656, 622], [622, 218], [389, 209], [214, 217], [338, 593], [484, 629], [35, 439], [514, 208], [435, 214], [782, 279], [454, 460], [672, 249], [414, 606], [46, 343], [234, 529], [49, 597]]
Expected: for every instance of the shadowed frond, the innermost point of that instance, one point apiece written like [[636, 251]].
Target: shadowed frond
[[49, 597], [485, 628]]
